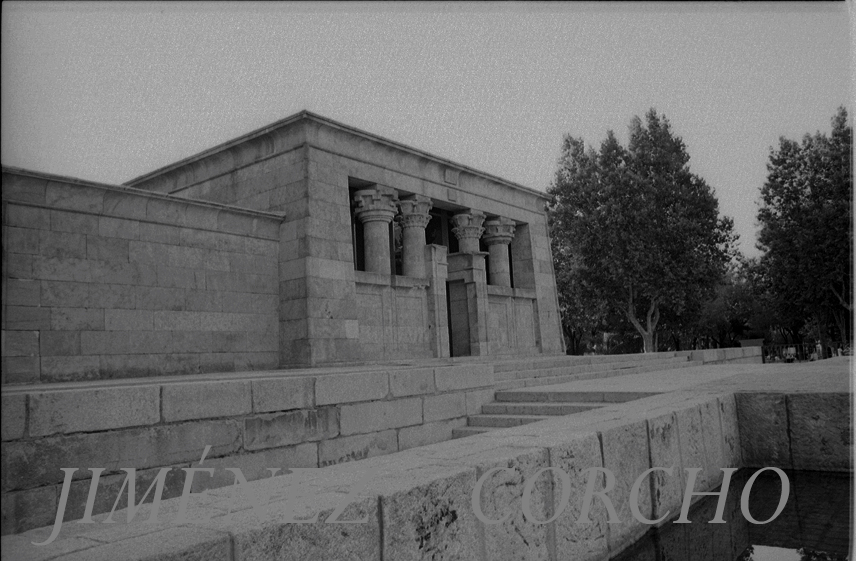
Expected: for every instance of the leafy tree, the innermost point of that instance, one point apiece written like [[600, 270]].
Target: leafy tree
[[582, 314], [645, 232], [806, 223]]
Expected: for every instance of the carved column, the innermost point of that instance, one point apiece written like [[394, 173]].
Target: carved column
[[468, 229], [414, 219], [498, 234], [376, 209]]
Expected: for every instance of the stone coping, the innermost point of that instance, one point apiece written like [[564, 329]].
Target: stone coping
[[417, 503], [279, 217], [274, 128], [528, 293], [402, 281]]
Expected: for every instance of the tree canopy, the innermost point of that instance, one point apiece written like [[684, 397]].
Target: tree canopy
[[806, 223], [639, 233]]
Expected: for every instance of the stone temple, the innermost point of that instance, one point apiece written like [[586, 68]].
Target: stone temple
[[310, 294], [306, 243]]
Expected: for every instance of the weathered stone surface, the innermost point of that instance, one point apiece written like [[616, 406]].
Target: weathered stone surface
[[292, 427], [14, 416], [347, 388], [380, 415], [477, 398], [403, 383], [28, 464], [357, 447], [732, 451], [444, 406], [254, 465], [201, 400], [625, 453], [427, 514], [820, 431], [428, 433], [449, 378], [96, 409], [28, 509], [693, 452], [763, 425], [282, 394], [186, 543], [711, 430], [665, 449]]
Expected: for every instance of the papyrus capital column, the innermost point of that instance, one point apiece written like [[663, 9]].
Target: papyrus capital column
[[375, 209], [468, 229], [413, 219], [498, 234]]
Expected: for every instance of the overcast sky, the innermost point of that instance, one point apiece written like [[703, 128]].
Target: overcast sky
[[109, 91]]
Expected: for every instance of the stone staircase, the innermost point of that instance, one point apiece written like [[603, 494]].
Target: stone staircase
[[516, 405]]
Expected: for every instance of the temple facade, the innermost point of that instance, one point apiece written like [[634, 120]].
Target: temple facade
[[304, 243]]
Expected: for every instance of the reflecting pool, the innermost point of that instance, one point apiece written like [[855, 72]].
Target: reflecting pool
[[815, 524]]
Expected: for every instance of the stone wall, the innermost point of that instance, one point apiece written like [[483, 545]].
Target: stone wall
[[511, 321], [252, 421], [393, 320], [417, 504], [108, 282]]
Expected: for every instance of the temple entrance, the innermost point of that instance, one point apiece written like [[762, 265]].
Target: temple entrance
[[459, 318]]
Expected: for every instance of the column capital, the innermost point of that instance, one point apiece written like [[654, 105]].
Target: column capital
[[499, 231], [468, 229], [414, 211], [376, 204]]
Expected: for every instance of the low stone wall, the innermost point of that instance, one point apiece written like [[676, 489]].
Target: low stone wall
[[735, 355], [418, 504], [511, 321], [251, 420], [107, 282]]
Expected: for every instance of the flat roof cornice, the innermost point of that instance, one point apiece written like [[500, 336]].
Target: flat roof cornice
[[308, 115]]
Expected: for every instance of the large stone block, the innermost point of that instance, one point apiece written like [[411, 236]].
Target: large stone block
[[444, 406], [820, 430], [201, 400], [27, 318], [357, 447], [92, 409], [59, 343], [28, 464], [763, 422], [711, 429], [282, 394], [22, 343], [733, 456], [376, 416], [428, 433], [426, 514], [77, 319], [477, 398], [67, 368], [417, 381], [14, 416], [665, 447], [20, 369], [347, 388], [23, 510], [692, 444], [254, 465], [293, 427], [577, 540], [625, 454], [450, 378], [186, 543], [23, 292]]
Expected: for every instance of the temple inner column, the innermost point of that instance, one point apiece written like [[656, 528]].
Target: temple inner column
[[375, 209], [468, 229], [498, 235], [414, 219]]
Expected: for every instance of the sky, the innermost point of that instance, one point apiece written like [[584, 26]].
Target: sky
[[109, 91]]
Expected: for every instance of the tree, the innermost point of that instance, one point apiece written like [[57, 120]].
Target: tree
[[806, 222], [645, 232]]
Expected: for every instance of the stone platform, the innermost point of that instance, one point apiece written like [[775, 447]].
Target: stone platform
[[418, 502]]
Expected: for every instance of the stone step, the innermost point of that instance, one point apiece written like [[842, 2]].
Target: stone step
[[469, 431], [513, 384], [588, 368], [548, 396], [524, 408], [537, 363], [498, 421]]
